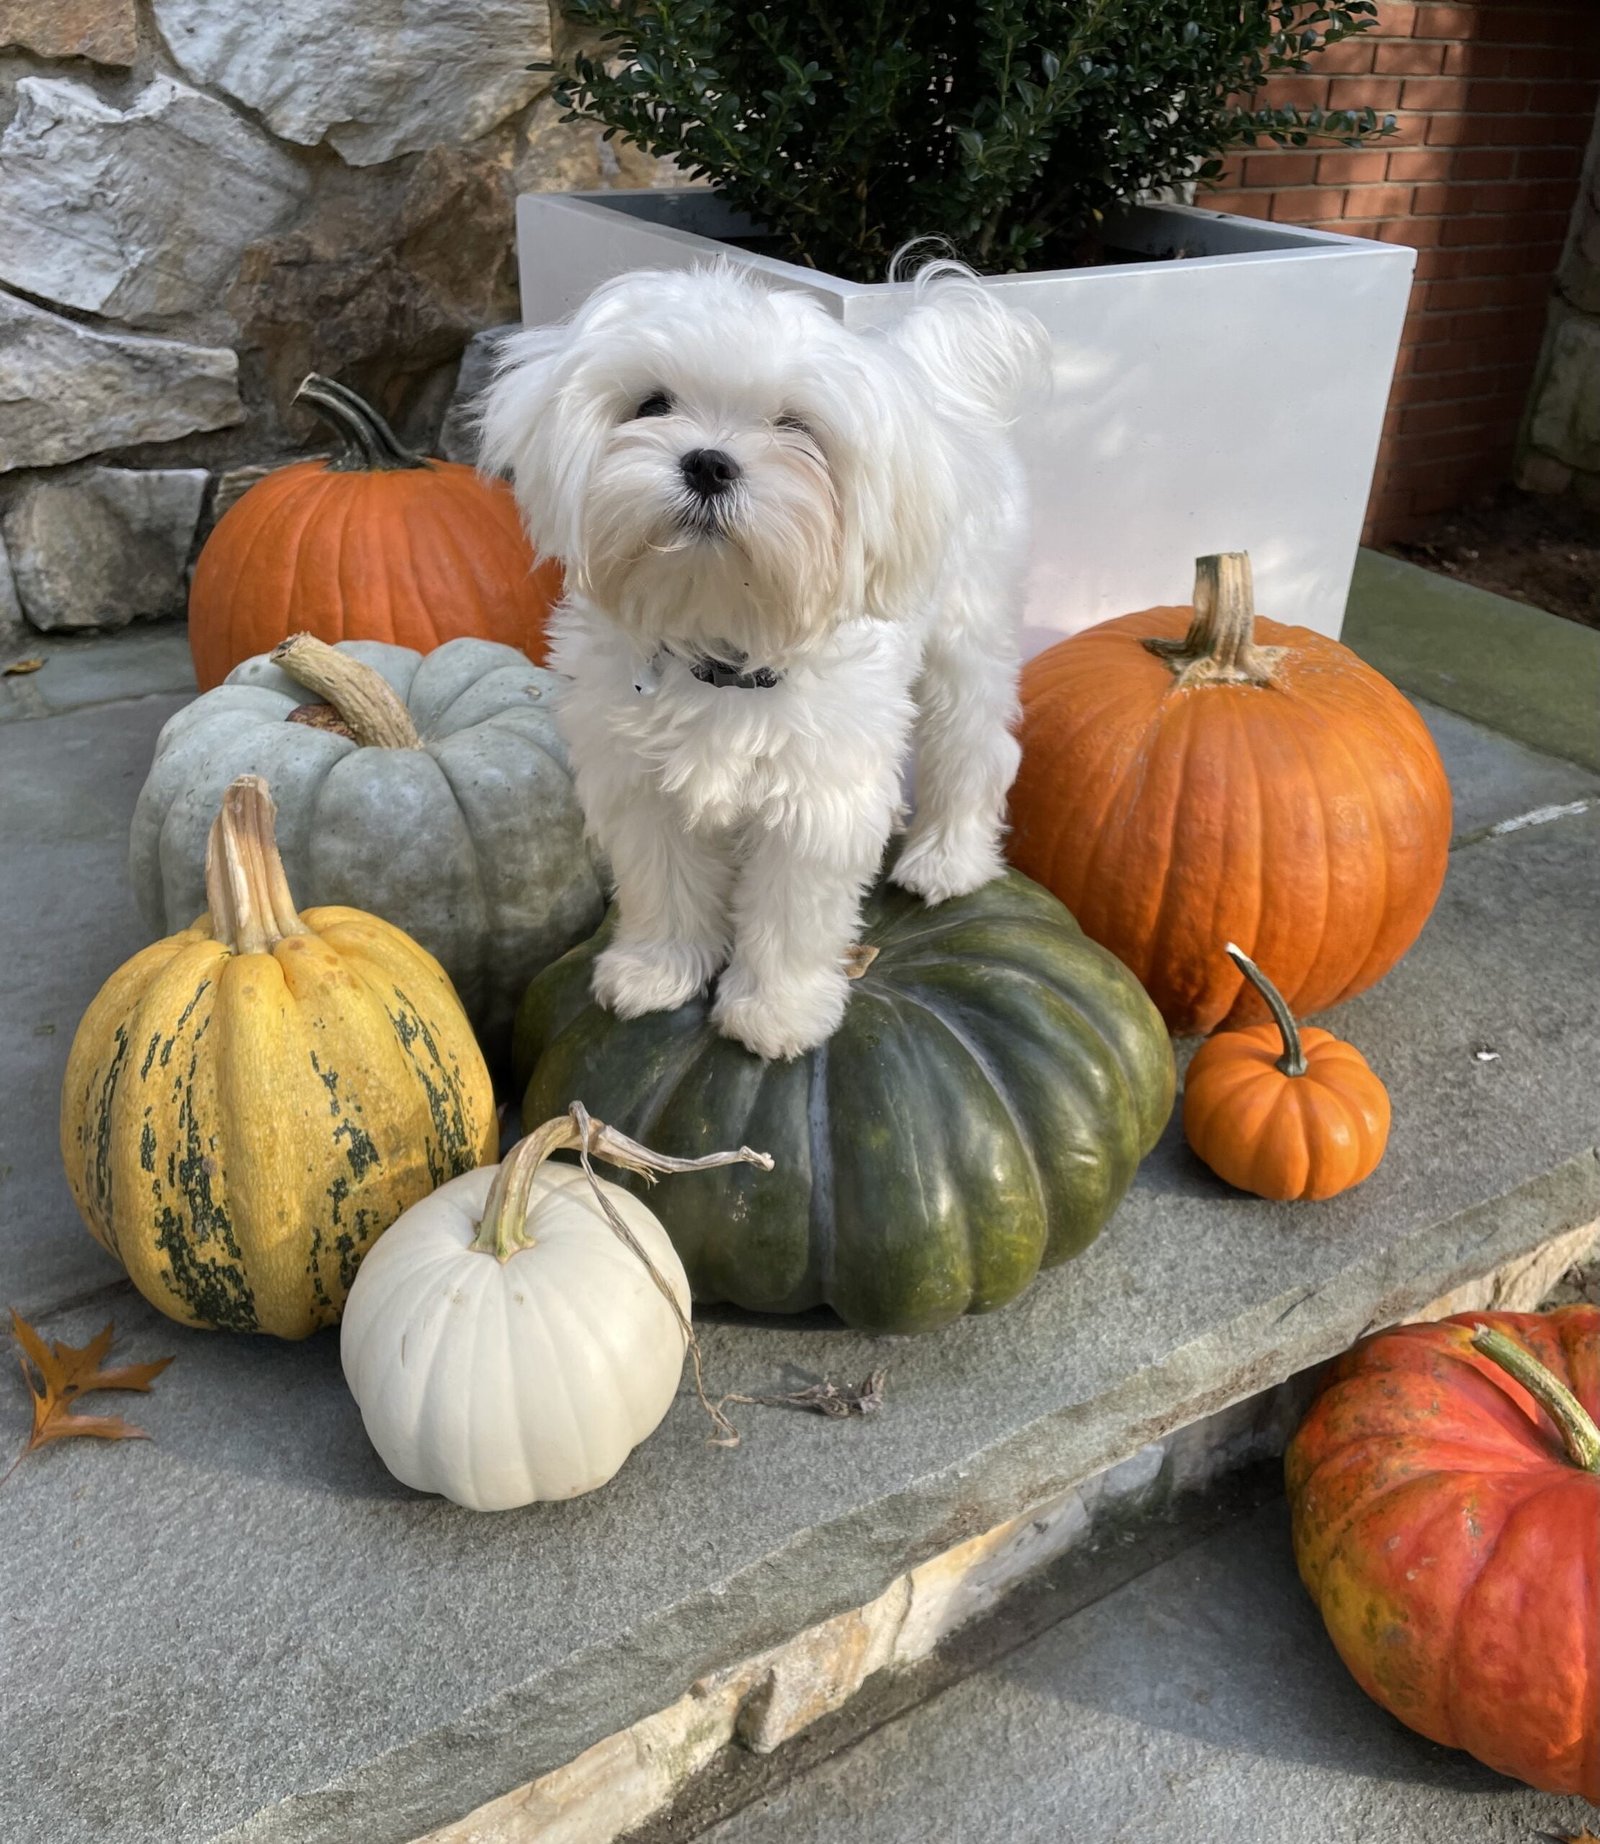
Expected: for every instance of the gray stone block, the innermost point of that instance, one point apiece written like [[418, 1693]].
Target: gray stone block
[[104, 547], [377, 78], [1566, 413], [135, 214], [67, 391]]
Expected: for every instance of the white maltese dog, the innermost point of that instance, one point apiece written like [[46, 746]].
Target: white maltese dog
[[791, 552]]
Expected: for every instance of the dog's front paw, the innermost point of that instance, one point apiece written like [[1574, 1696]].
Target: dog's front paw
[[937, 867], [779, 1021], [632, 978]]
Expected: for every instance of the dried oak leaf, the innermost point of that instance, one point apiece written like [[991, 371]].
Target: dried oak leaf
[[61, 1373], [1586, 1836]]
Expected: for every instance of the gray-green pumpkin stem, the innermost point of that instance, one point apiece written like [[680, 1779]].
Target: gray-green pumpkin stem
[[1293, 1060], [1574, 1423], [1220, 646], [371, 446]]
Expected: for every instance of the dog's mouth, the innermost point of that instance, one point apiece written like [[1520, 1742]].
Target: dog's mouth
[[701, 521]]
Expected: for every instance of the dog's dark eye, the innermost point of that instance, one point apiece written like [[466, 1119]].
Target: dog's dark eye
[[796, 423], [658, 403]]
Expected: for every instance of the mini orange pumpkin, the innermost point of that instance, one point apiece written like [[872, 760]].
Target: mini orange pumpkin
[[379, 544], [1283, 1112], [1192, 774]]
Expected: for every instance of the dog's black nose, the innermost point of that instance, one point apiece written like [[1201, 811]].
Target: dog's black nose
[[709, 471]]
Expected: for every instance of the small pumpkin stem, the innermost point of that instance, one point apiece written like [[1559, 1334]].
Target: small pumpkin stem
[[504, 1229], [1293, 1060], [371, 446], [373, 713], [1220, 647], [1576, 1426], [251, 908]]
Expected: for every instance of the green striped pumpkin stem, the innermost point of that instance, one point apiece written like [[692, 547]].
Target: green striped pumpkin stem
[[1576, 1426], [371, 446]]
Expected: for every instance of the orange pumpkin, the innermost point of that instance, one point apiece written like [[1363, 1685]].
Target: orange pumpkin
[[1445, 1491], [1193, 775], [1283, 1112], [379, 544]]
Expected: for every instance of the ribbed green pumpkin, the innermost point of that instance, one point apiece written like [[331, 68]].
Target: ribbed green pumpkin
[[978, 1115]]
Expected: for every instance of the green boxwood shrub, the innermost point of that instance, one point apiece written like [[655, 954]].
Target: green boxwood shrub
[[1011, 128]]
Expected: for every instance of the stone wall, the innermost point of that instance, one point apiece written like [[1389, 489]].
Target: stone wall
[[200, 201], [1561, 438]]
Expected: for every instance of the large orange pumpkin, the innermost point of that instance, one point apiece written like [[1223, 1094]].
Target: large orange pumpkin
[[1191, 775], [1446, 1497], [379, 544]]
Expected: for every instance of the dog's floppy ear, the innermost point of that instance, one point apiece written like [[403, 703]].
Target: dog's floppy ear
[[897, 498], [528, 428]]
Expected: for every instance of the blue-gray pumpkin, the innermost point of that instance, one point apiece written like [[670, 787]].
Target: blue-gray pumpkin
[[429, 789], [977, 1116]]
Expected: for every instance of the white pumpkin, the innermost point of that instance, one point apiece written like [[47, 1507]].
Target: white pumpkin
[[503, 1342]]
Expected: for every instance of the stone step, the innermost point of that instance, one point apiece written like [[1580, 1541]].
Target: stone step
[[273, 1643], [1199, 1700]]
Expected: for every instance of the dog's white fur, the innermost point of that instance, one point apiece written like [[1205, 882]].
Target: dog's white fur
[[870, 551]]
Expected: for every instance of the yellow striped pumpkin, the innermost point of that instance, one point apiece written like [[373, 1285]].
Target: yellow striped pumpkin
[[250, 1103]]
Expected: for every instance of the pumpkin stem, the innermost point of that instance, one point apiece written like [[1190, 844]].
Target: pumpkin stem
[[504, 1229], [1293, 1060], [1576, 1426], [371, 446], [373, 714], [1220, 647], [251, 909]]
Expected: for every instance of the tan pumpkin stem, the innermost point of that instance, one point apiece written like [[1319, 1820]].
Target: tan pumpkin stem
[[1576, 1426], [247, 893], [373, 713], [1220, 647], [1293, 1060], [504, 1229]]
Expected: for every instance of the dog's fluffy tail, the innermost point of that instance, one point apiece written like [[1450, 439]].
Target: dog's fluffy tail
[[981, 358]]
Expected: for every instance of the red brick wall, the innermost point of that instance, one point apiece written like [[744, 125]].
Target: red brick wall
[[1495, 101]]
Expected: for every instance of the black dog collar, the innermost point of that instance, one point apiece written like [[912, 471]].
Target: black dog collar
[[721, 674]]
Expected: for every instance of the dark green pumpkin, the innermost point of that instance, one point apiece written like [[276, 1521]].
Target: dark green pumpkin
[[978, 1115]]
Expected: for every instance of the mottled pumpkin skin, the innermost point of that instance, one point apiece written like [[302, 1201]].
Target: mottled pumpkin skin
[[237, 1129], [979, 1113], [413, 556], [1307, 820], [1452, 1547]]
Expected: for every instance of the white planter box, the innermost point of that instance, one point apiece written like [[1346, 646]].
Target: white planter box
[[1230, 400]]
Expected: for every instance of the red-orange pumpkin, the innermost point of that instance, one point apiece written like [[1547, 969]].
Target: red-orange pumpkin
[[1445, 1489], [1183, 783], [379, 544]]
